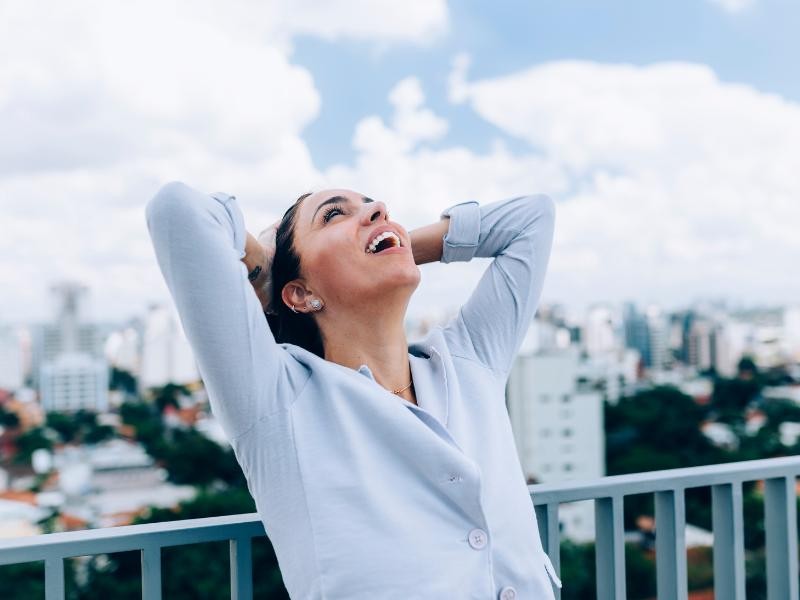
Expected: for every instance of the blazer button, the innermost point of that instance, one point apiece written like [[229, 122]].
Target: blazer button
[[477, 538], [507, 593]]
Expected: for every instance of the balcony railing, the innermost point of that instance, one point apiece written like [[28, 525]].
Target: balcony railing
[[779, 476]]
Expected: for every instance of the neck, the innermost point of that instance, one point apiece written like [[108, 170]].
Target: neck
[[375, 339]]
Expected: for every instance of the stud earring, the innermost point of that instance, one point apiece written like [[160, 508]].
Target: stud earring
[[316, 304]]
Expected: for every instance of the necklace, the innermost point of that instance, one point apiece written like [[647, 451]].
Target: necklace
[[403, 389]]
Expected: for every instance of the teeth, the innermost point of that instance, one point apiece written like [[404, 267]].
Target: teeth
[[378, 238]]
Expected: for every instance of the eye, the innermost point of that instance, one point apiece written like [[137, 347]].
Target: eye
[[326, 216]]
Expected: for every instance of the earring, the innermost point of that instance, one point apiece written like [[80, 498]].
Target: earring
[[294, 310], [316, 304]]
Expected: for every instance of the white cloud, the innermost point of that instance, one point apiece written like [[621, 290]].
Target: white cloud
[[733, 6], [100, 103], [683, 184], [419, 21]]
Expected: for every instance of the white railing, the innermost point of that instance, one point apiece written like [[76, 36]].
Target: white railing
[[608, 493]]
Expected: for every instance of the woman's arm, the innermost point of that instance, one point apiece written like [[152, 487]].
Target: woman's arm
[[518, 234], [426, 242], [201, 246]]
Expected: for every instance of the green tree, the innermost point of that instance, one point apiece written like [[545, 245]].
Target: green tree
[[657, 429], [67, 426], [31, 440], [8, 419], [168, 396], [123, 381]]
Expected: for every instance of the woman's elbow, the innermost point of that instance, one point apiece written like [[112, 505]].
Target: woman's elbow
[[170, 200], [541, 208]]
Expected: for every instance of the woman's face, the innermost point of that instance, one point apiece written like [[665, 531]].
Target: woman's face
[[333, 229]]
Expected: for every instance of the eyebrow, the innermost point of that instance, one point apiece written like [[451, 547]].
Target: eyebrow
[[335, 200]]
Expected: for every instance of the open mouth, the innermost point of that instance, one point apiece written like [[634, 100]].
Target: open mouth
[[384, 241]]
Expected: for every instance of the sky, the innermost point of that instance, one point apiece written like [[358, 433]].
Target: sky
[[668, 135]]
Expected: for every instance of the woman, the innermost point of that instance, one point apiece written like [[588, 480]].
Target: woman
[[380, 469]]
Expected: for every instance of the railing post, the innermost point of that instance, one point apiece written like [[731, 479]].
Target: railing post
[[609, 548], [241, 569], [547, 519], [671, 582], [54, 578], [729, 567], [151, 573], [780, 523]]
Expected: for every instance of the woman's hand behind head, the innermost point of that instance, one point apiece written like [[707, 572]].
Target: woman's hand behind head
[[260, 252]]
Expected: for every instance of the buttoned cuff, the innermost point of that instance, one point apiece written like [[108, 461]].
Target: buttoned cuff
[[235, 214], [461, 240]]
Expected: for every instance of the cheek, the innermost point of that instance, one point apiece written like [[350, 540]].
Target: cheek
[[335, 267]]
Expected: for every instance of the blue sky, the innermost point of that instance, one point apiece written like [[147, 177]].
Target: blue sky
[[759, 46], [667, 133]]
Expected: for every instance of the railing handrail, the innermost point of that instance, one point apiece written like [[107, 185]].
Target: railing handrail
[[129, 537], [613, 486]]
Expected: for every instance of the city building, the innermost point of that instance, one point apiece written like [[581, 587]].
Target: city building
[[73, 375], [11, 359], [73, 382], [603, 330], [166, 354], [557, 420]]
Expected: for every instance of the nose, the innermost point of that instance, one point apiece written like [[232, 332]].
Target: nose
[[374, 211]]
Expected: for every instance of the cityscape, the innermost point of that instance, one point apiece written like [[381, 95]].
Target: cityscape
[[105, 424], [654, 401]]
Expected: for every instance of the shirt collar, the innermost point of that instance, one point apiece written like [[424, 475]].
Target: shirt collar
[[438, 377], [365, 370], [414, 349]]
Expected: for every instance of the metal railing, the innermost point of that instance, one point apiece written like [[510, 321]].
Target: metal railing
[[608, 493], [149, 539], [725, 480]]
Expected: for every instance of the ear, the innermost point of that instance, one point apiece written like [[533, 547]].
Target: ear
[[295, 293]]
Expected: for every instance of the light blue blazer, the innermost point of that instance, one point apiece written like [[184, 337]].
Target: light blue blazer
[[363, 494]]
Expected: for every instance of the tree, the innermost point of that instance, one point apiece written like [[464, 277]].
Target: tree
[[32, 440], [8, 419], [81, 426], [122, 380], [168, 396], [657, 429]]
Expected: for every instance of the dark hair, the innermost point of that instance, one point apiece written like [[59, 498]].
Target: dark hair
[[287, 326]]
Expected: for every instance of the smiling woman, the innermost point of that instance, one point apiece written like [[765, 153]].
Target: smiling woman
[[381, 469]]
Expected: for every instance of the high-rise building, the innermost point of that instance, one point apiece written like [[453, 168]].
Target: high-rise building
[[75, 377], [68, 333], [791, 331], [166, 354], [11, 359], [603, 330], [658, 333], [557, 419], [74, 381], [636, 332]]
